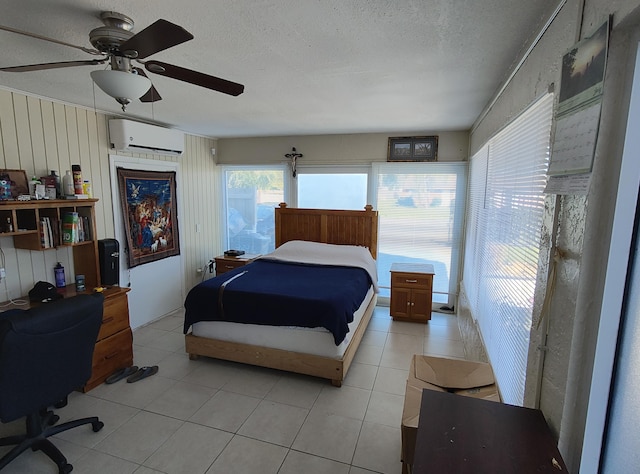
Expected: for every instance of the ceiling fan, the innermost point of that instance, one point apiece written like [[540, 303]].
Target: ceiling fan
[[116, 44]]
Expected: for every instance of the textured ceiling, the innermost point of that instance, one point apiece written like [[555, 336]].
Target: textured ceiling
[[308, 66]]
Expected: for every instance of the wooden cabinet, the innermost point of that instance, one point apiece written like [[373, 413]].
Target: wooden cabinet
[[411, 291], [23, 220], [114, 348], [224, 264]]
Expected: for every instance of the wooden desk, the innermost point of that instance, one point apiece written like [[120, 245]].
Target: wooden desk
[[468, 435]]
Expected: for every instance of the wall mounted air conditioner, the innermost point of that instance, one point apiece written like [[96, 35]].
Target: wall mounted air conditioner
[[138, 137]]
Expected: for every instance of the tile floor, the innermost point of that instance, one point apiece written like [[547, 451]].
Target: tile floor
[[209, 416]]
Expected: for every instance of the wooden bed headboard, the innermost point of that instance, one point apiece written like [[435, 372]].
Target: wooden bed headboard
[[328, 226]]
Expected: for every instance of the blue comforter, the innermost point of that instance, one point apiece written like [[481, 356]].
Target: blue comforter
[[279, 293]]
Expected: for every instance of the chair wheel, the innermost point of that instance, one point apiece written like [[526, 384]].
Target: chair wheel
[[97, 426], [65, 469]]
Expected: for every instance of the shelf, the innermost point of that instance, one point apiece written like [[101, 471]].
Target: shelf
[[27, 215]]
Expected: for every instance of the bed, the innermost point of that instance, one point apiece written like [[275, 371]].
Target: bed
[[315, 351]]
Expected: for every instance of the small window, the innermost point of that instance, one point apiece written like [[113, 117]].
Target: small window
[[251, 196], [335, 190]]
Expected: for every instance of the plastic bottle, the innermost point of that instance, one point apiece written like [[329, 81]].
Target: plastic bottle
[[32, 186], [77, 179], [55, 174], [86, 188], [59, 272], [67, 184]]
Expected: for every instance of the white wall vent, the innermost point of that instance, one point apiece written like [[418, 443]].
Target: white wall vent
[[138, 137]]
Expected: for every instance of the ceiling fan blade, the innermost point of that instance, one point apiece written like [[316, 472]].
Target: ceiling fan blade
[[40, 67], [194, 77], [152, 94], [51, 40], [154, 38]]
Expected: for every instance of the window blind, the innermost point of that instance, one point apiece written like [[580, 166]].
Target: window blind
[[421, 214], [506, 205]]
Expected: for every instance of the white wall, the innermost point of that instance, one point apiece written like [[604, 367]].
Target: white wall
[[165, 274], [622, 444], [38, 135], [332, 149]]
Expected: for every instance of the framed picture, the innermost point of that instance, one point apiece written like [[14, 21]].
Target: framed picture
[[149, 207], [413, 149], [18, 181]]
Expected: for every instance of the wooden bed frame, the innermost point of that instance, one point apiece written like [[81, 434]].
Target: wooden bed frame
[[317, 225]]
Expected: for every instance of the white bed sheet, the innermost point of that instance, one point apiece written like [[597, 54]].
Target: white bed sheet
[[315, 341]]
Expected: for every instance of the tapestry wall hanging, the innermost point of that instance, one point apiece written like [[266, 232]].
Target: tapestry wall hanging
[[149, 211]]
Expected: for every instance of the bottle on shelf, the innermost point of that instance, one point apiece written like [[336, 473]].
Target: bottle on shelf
[[86, 188], [9, 225], [67, 184], [77, 179], [59, 273], [51, 184], [32, 186], [55, 175]]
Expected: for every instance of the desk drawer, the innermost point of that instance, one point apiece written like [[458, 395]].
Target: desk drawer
[[115, 316], [109, 355], [411, 280]]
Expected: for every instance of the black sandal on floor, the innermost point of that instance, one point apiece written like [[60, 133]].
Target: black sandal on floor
[[143, 372], [120, 374]]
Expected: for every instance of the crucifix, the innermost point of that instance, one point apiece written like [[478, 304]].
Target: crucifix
[[293, 156]]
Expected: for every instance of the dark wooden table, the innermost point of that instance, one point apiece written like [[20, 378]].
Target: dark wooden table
[[459, 434]]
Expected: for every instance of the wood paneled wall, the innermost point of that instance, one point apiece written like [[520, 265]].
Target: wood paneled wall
[[38, 135]]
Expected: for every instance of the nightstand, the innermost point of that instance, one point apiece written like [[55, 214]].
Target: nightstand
[[224, 263], [411, 291]]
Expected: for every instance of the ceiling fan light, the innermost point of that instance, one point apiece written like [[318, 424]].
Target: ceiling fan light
[[121, 85]]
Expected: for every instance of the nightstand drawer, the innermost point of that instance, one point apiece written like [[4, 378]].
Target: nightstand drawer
[[227, 264], [224, 263], [411, 280]]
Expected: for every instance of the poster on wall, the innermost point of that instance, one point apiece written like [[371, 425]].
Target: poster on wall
[[578, 113], [149, 211]]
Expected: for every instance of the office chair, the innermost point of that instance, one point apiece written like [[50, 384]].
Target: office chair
[[45, 354]]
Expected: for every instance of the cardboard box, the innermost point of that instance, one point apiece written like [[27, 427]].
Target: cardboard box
[[462, 377]]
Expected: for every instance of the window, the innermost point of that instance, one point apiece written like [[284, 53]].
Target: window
[[421, 209], [251, 196], [506, 205], [319, 188]]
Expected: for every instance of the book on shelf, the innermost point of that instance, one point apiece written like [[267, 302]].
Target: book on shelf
[[86, 225], [49, 232], [45, 243]]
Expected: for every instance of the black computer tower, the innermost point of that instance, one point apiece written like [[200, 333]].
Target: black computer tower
[[109, 255]]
